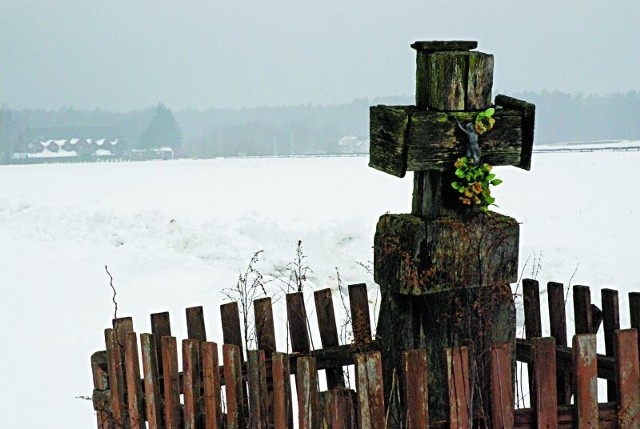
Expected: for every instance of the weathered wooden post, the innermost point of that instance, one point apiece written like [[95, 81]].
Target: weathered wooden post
[[444, 270]]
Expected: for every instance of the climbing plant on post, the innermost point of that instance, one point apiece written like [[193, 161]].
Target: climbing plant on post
[[444, 270]]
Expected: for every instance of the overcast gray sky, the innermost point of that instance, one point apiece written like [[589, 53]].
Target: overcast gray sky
[[123, 55]]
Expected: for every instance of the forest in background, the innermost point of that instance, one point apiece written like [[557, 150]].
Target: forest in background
[[315, 129]]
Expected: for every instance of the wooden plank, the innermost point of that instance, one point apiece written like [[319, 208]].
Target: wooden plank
[[416, 388], [531, 298], [231, 331], [191, 382], [528, 115], [586, 381], [607, 416], [564, 356], [459, 388], [211, 385], [423, 74], [447, 79], [387, 144], [283, 417], [557, 312], [258, 397], [479, 81], [116, 379], [297, 315], [435, 141], [171, 382], [153, 400], [370, 390], [160, 327], [611, 323], [100, 372], [582, 309], [307, 390], [558, 329], [634, 311], [543, 386], [135, 398], [234, 388], [265, 330], [328, 332], [501, 386], [628, 378], [195, 324], [360, 318]]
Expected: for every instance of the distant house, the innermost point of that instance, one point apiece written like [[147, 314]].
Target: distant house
[[56, 144], [353, 145]]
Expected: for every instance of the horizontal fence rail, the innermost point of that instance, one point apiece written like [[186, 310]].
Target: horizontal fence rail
[[153, 380]]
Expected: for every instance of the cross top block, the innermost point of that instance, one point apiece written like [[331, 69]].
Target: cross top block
[[453, 82]]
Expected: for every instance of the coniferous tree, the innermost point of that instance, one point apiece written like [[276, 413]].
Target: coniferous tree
[[162, 131]]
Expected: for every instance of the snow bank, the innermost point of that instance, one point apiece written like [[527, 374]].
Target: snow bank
[[174, 234]]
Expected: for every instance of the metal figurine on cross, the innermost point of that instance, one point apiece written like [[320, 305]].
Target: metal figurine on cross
[[444, 270]]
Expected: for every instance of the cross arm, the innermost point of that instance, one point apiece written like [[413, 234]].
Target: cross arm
[[405, 138]]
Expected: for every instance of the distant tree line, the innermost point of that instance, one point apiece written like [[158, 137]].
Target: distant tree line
[[311, 129]]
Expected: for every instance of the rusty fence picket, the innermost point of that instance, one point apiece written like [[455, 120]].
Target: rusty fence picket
[[153, 400], [211, 386]]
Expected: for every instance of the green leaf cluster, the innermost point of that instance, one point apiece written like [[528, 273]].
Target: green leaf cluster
[[474, 183], [484, 121]]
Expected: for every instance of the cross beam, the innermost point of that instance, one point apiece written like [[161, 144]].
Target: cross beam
[[407, 138]]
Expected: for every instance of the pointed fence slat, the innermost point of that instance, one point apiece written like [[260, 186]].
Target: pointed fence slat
[[557, 312], [370, 390], [234, 388], [634, 312], [211, 386], [152, 396], [231, 331], [531, 300], [307, 390], [258, 396], [610, 324], [328, 332], [116, 378], [121, 326], [265, 330], [195, 324], [459, 389], [416, 390], [99, 369], [297, 315], [501, 386], [171, 382], [134, 388], [586, 379], [543, 385], [360, 318], [160, 327], [191, 381], [558, 329], [582, 309], [283, 417], [628, 379]]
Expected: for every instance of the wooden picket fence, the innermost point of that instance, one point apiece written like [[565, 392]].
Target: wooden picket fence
[[253, 388]]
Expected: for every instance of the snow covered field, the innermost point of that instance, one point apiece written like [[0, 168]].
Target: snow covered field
[[174, 233]]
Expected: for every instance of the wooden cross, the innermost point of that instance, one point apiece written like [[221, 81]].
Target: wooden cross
[[444, 270], [452, 83]]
